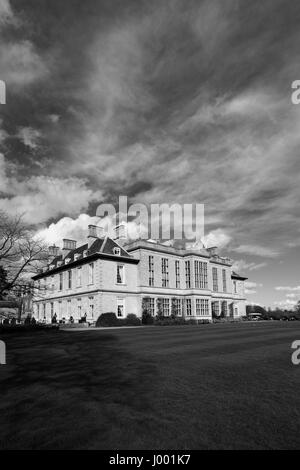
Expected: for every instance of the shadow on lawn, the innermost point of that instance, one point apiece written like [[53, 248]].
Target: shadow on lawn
[[72, 390]]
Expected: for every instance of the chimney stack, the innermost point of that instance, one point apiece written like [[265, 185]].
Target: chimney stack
[[94, 233], [120, 234], [68, 245], [53, 252], [212, 250]]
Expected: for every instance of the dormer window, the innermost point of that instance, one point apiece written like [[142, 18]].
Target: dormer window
[[67, 260], [76, 256], [117, 251]]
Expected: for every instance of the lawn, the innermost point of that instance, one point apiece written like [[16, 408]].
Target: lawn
[[223, 386]]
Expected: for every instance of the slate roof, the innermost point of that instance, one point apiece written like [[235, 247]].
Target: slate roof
[[100, 247]]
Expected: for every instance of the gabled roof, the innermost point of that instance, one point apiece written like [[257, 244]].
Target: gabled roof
[[101, 247]]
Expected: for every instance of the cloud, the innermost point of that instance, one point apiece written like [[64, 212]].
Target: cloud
[[6, 14], [54, 118], [293, 295], [29, 136], [217, 238], [3, 133], [75, 229], [256, 250], [242, 265], [286, 303], [288, 288], [251, 287], [175, 102], [21, 65], [41, 198]]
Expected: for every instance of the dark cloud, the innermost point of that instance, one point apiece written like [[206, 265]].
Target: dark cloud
[[165, 101]]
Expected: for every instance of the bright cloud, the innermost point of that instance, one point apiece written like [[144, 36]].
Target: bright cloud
[[217, 238], [40, 198]]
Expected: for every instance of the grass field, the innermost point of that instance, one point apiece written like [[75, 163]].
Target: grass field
[[225, 386]]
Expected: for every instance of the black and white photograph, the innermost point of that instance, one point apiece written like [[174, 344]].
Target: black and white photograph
[[149, 228]]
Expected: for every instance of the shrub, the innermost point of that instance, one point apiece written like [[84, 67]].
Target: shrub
[[191, 322], [147, 318], [166, 321], [132, 320], [108, 319]]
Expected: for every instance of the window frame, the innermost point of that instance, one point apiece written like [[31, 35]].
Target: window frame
[[118, 274]]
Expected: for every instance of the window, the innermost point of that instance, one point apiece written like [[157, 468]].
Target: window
[[202, 307], [215, 308], [61, 281], [151, 307], [70, 279], [176, 306], [151, 270], [69, 308], [165, 307], [215, 279], [188, 307], [120, 274], [224, 308], [91, 307], [188, 274], [52, 309], [117, 251], [79, 271], [52, 283], [44, 311], [148, 304], [91, 273], [59, 310], [38, 310], [235, 287], [201, 275], [165, 272], [177, 274], [224, 280], [120, 308], [79, 308]]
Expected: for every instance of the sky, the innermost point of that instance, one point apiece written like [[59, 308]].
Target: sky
[[169, 101]]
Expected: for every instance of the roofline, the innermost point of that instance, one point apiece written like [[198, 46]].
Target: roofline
[[166, 249], [236, 276], [87, 259]]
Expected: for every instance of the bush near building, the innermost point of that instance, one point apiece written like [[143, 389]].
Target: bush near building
[[110, 319]]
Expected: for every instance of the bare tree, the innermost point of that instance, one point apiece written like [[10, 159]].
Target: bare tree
[[21, 253]]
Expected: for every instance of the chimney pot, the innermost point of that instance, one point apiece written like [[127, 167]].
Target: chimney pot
[[53, 251], [69, 244]]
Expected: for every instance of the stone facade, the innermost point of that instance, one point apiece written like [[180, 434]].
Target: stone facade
[[107, 276]]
